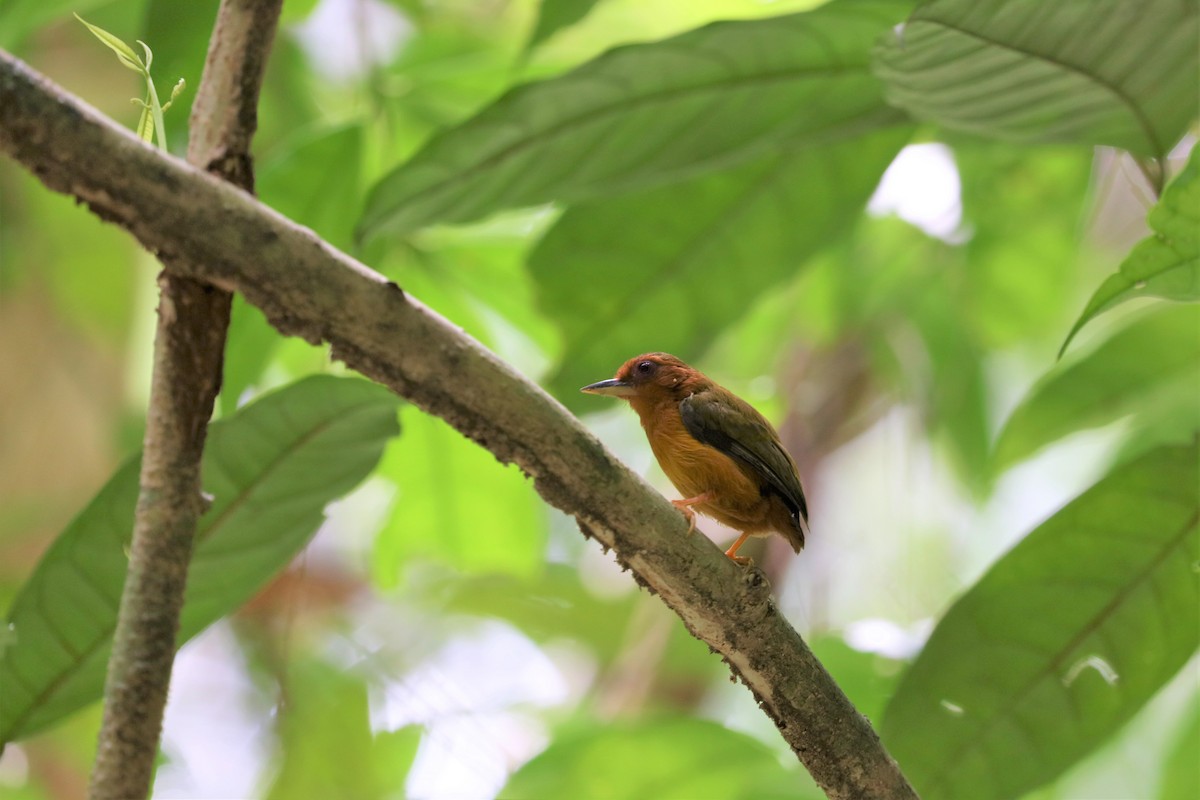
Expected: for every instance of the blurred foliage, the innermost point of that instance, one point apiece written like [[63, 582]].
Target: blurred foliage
[[679, 758], [326, 740], [1148, 369], [573, 182]]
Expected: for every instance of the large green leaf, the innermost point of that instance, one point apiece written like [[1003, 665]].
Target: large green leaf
[[1061, 642], [1149, 368], [670, 268], [644, 115], [665, 758], [1166, 264], [457, 504], [271, 469], [1115, 72]]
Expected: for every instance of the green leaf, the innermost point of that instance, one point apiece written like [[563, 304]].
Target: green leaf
[[663, 759], [554, 15], [19, 18], [645, 115], [1166, 264], [1061, 642], [670, 268], [328, 749], [457, 504], [546, 607], [180, 32], [271, 469], [953, 393], [32, 222], [1150, 368], [125, 53], [1115, 72], [251, 344], [1181, 773], [145, 124], [150, 122], [1020, 266], [868, 679], [315, 181]]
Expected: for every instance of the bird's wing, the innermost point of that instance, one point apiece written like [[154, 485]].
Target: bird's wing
[[732, 426]]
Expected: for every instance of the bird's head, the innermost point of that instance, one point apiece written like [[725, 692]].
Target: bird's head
[[651, 377]]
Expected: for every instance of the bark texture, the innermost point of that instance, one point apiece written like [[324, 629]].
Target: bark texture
[[308, 289], [189, 346]]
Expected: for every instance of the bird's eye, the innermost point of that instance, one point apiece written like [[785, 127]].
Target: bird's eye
[[645, 367]]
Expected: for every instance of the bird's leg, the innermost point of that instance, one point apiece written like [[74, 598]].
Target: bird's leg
[[685, 505], [732, 551]]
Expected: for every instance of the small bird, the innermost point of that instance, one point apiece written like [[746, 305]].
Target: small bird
[[722, 455]]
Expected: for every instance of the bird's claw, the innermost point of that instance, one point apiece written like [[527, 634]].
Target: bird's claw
[[688, 513], [685, 507]]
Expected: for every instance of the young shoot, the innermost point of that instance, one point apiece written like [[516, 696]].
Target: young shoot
[[150, 124]]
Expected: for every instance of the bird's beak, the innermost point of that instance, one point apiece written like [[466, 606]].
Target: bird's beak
[[611, 387]]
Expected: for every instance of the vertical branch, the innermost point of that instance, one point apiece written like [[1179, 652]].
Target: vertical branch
[[189, 349]]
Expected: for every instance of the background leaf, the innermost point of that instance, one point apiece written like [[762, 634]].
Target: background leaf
[[1166, 264], [554, 15], [677, 759], [271, 469], [1151, 368], [1060, 642], [316, 181], [456, 503], [956, 401], [644, 115], [682, 262], [1181, 775], [251, 342], [179, 33], [1115, 72], [19, 18], [328, 747]]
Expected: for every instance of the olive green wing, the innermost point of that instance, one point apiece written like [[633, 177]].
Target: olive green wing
[[727, 423]]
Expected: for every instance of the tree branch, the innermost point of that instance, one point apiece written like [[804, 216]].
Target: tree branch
[[189, 346], [309, 289]]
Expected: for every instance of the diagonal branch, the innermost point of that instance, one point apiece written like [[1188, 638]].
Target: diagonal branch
[[309, 289], [189, 346]]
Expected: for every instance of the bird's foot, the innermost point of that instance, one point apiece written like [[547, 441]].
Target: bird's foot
[[732, 551], [688, 514], [685, 508]]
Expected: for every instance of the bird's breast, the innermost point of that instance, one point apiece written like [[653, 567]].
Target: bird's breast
[[695, 468]]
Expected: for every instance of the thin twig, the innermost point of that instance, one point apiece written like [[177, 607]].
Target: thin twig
[[189, 345], [309, 289]]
